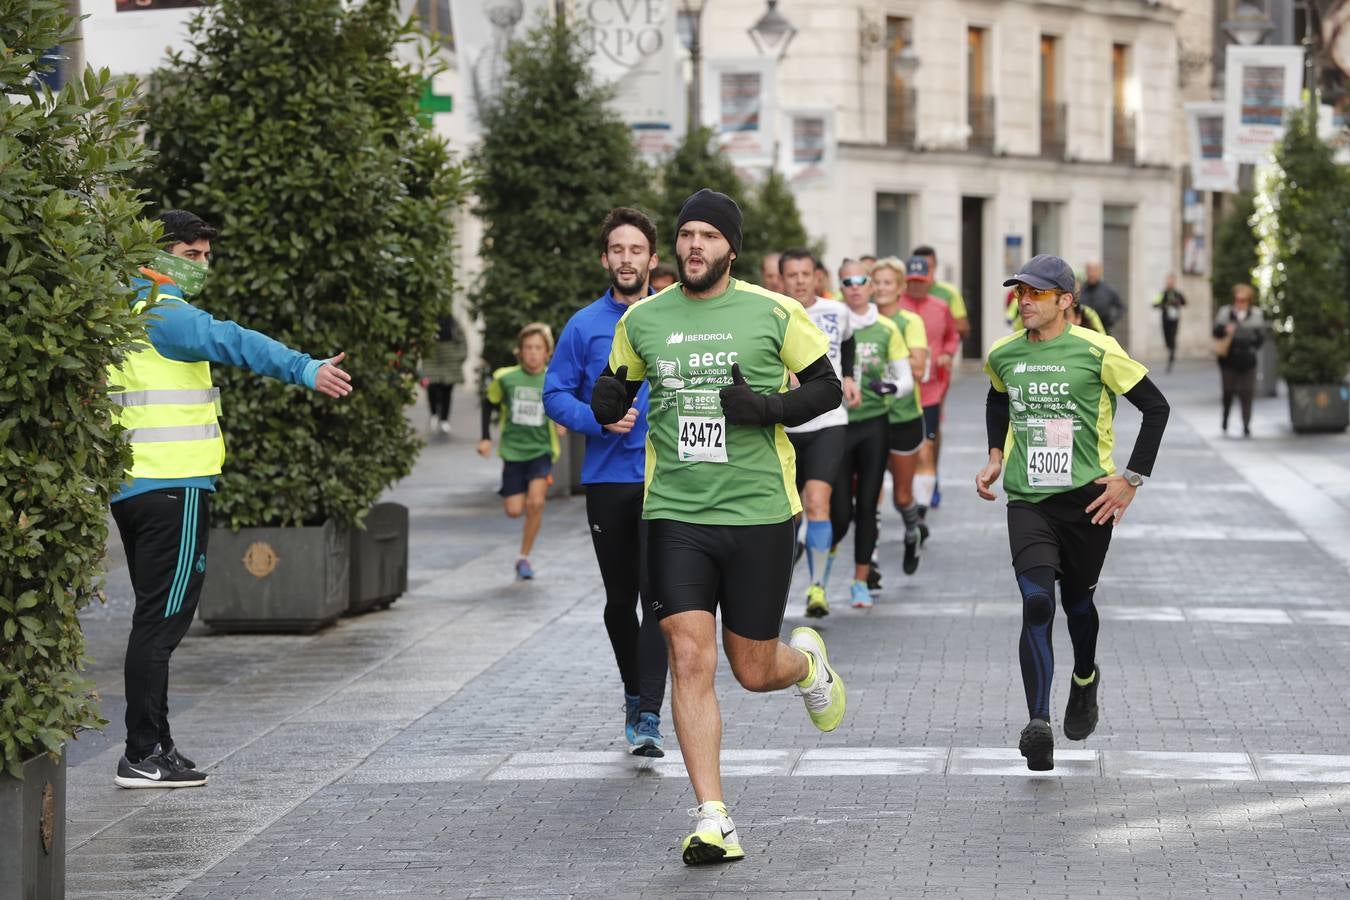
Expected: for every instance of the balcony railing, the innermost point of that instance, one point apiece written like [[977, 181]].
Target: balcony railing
[[1054, 129], [901, 117], [1122, 138], [981, 121]]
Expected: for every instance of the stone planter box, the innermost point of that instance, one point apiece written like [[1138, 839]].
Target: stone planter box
[[1319, 407], [379, 559], [33, 831], [276, 579]]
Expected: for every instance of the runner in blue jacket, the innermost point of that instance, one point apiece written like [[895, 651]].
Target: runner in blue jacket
[[614, 471]]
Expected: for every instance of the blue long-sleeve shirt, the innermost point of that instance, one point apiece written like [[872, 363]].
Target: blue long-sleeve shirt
[[184, 333], [581, 355]]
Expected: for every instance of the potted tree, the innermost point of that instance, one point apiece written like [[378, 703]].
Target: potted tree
[[292, 126], [70, 232], [1304, 232]]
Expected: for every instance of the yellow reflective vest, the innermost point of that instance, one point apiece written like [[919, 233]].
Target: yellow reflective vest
[[170, 411]]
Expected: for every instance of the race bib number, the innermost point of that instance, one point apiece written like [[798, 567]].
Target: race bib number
[[703, 428], [1172, 313], [527, 407], [1050, 453]]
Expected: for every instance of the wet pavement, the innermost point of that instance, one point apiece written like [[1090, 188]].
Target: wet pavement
[[468, 741]]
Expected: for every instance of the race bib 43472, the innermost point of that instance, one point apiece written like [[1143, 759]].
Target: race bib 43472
[[703, 427]]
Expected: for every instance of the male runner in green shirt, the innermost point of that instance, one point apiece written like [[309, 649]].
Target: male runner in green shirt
[[1049, 413], [721, 488]]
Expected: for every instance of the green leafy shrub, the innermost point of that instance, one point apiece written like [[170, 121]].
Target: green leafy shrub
[[1234, 248], [554, 160], [71, 233], [293, 129], [1304, 226]]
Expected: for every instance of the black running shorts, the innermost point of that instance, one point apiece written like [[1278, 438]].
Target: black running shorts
[[819, 453], [1056, 532], [744, 569], [906, 437]]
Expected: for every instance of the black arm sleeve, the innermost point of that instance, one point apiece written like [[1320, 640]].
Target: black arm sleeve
[[820, 392], [996, 418], [1153, 405], [848, 353], [486, 406], [633, 386]]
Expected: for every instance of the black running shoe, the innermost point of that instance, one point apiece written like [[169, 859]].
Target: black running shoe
[[913, 550], [1038, 745], [873, 577], [923, 530], [174, 758], [155, 772], [1080, 717]]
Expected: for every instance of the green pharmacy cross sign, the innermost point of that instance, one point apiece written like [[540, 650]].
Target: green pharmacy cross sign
[[431, 103]]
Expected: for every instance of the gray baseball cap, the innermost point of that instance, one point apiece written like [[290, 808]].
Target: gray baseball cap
[[1045, 273]]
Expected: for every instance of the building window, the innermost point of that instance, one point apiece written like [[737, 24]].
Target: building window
[[1122, 117], [435, 18], [892, 225], [1046, 217], [980, 97], [900, 98], [1054, 119]]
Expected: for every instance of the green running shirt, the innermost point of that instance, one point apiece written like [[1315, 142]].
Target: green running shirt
[[909, 407], [1062, 400], [877, 346], [526, 432], [699, 469]]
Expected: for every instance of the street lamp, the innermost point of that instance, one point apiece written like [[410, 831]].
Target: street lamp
[[691, 18], [773, 32], [906, 63], [1249, 25]]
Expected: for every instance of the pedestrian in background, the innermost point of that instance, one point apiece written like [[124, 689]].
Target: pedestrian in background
[[529, 442], [769, 276], [1170, 301], [443, 369], [1100, 297], [1239, 331], [663, 276]]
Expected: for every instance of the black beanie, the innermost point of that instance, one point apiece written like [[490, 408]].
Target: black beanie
[[718, 210]]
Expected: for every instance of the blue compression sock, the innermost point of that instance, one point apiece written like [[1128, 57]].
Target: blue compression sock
[[819, 536]]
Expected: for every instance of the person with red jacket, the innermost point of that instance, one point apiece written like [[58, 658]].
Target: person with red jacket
[[943, 342]]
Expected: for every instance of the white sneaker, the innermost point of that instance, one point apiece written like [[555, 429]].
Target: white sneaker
[[714, 838], [445, 426]]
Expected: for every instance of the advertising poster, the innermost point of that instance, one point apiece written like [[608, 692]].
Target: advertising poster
[[1210, 171], [739, 105], [808, 157], [633, 47], [1261, 84], [484, 29]]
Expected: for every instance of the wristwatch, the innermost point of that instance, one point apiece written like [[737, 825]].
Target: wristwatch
[[1133, 479]]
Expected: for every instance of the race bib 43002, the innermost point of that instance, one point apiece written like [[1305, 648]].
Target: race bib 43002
[[703, 427], [1050, 453]]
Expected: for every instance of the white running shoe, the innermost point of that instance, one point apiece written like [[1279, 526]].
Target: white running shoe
[[714, 839]]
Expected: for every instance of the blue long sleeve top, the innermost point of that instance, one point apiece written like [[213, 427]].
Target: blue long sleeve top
[[581, 355], [183, 333]]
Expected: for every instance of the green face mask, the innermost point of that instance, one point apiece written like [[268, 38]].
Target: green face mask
[[188, 275]]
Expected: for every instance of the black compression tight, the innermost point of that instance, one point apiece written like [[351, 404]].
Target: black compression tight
[[1035, 652]]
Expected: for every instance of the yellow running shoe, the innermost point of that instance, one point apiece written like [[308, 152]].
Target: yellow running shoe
[[817, 607], [714, 839], [823, 690]]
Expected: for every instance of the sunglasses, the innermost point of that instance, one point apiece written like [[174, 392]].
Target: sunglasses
[[1027, 292], [854, 281]]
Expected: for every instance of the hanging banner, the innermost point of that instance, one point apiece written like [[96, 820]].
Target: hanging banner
[[739, 104], [1210, 171], [807, 157], [484, 29], [1261, 85], [633, 48]]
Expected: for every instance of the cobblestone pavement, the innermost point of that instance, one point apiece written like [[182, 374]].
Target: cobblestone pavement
[[468, 742]]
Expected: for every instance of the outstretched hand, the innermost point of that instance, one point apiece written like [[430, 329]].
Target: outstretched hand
[[332, 381]]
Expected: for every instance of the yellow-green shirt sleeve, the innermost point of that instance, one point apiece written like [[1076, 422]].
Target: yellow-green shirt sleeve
[[916, 335], [494, 388], [957, 303], [803, 342], [993, 377], [896, 348], [1120, 373], [621, 353]]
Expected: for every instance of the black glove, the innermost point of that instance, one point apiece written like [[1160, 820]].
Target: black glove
[[877, 386], [609, 397], [742, 406]]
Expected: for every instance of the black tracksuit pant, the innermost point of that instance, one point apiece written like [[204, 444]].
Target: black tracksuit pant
[[164, 533], [614, 511]]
